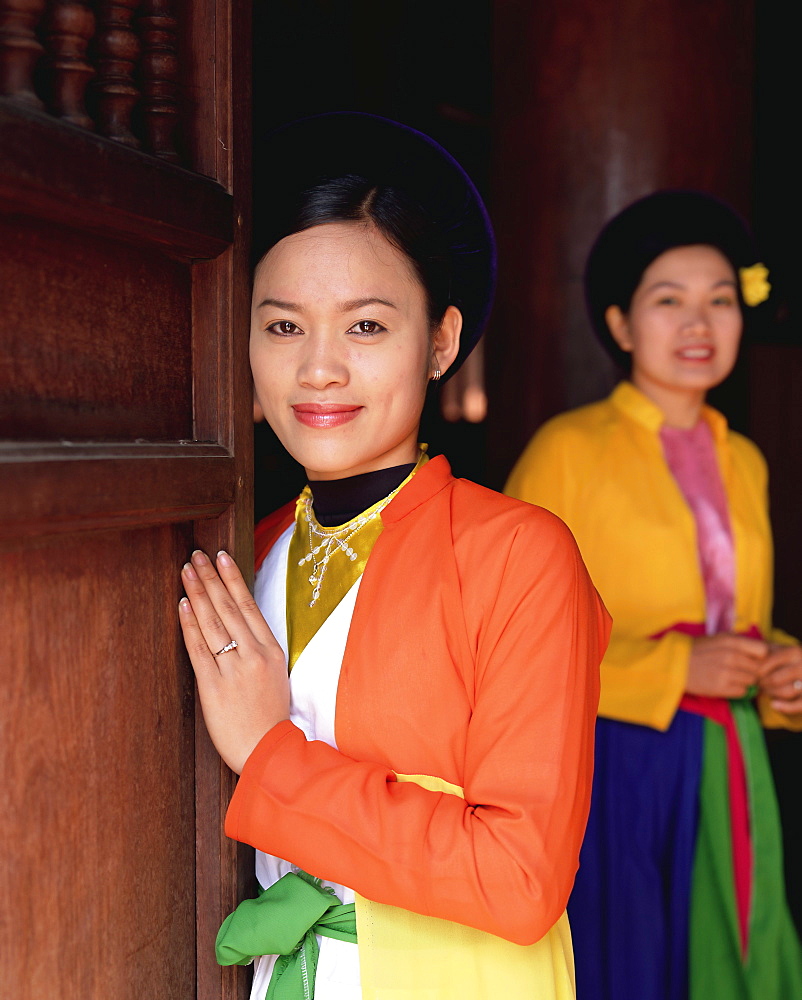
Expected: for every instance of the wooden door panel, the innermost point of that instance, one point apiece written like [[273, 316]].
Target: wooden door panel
[[100, 808], [97, 337]]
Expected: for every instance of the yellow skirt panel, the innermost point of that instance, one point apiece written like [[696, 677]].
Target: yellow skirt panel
[[407, 956]]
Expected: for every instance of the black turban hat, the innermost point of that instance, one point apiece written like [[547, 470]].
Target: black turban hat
[[456, 233], [640, 233]]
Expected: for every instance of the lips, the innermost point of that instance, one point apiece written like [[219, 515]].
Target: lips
[[325, 415], [699, 352]]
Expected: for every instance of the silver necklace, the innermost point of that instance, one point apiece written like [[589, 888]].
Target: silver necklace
[[329, 542]]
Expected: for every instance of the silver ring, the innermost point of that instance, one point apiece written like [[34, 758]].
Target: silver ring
[[797, 685], [228, 647]]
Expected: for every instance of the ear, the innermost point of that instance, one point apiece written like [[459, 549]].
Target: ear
[[258, 412], [619, 327], [445, 342]]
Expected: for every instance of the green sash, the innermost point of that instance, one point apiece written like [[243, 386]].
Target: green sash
[[284, 920], [772, 967]]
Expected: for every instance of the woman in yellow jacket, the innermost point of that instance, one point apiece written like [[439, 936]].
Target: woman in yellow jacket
[[679, 892]]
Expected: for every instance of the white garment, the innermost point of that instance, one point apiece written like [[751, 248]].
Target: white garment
[[313, 696]]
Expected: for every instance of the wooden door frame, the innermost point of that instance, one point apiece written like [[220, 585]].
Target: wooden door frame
[[221, 301], [70, 176]]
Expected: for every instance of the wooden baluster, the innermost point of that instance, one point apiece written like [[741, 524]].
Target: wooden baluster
[[159, 77], [19, 48], [117, 48], [69, 26]]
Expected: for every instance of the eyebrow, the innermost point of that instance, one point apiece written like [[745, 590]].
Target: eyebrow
[[361, 303], [676, 284], [349, 306]]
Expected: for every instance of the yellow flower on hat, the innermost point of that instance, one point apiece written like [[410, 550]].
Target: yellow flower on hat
[[755, 287]]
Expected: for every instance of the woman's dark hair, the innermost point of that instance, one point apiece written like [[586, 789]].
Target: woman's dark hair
[[397, 217], [362, 168], [643, 231]]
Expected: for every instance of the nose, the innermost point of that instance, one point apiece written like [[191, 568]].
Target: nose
[[324, 361], [696, 321]]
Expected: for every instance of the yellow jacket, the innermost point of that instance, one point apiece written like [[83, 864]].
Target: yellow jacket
[[601, 469]]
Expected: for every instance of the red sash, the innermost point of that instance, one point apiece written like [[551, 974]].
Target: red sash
[[718, 710]]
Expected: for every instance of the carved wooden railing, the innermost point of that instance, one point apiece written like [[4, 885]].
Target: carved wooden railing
[[108, 65]]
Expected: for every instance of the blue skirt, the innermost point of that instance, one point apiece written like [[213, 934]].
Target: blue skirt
[[630, 907]]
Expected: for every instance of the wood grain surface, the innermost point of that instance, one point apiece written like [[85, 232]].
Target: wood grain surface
[[125, 414], [98, 337], [97, 759]]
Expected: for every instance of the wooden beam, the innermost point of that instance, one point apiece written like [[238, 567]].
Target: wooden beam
[[54, 488], [97, 184]]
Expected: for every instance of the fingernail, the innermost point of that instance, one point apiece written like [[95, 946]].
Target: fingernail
[[189, 571], [183, 605], [224, 558], [199, 558]]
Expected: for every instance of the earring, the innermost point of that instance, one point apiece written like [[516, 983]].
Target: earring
[[436, 375]]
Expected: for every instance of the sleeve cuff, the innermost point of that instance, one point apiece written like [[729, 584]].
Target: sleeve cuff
[[253, 771], [776, 720], [650, 693], [681, 646]]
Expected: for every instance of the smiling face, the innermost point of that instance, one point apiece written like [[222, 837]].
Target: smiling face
[[341, 349], [683, 328]]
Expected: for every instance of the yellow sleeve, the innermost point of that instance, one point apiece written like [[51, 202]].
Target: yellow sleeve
[[758, 471], [775, 720], [781, 638], [642, 679], [768, 716], [543, 474]]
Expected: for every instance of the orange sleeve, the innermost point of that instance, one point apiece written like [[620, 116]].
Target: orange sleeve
[[269, 529], [504, 859]]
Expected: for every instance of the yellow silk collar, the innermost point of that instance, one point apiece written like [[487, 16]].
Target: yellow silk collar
[[341, 572]]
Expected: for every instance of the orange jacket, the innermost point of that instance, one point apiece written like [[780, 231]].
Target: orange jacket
[[473, 655]]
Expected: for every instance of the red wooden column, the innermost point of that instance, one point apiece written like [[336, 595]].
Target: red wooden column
[[596, 103]]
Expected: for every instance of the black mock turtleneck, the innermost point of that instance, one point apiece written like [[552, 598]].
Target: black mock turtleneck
[[336, 501]]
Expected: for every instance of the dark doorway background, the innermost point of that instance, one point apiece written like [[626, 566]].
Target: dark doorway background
[[769, 395], [458, 71]]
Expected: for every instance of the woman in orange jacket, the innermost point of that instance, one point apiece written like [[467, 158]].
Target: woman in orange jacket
[[417, 790]]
